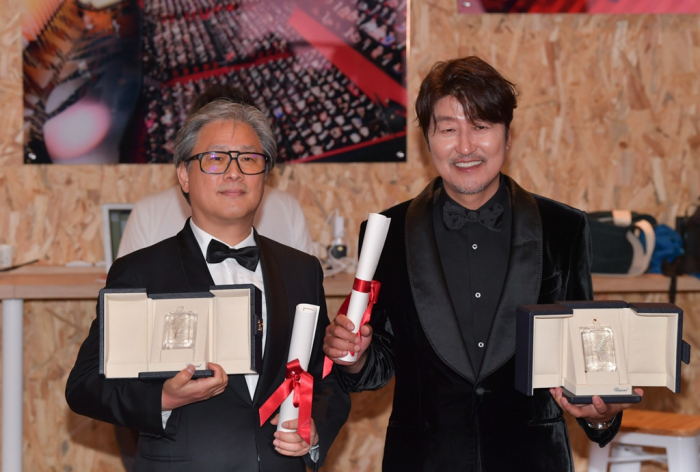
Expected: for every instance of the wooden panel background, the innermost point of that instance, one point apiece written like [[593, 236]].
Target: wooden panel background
[[608, 117]]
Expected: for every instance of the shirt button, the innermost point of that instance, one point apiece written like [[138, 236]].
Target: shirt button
[[481, 344], [474, 246], [477, 294]]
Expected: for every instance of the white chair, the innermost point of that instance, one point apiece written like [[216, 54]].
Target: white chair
[[678, 434]]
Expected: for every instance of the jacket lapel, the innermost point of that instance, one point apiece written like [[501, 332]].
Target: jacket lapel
[[523, 279], [278, 323], [194, 266], [430, 295]]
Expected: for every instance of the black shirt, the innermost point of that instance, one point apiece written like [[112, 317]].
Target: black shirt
[[475, 262]]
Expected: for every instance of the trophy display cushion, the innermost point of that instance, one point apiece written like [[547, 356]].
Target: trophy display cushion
[[133, 329], [549, 348]]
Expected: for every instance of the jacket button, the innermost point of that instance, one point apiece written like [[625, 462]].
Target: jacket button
[[479, 391]]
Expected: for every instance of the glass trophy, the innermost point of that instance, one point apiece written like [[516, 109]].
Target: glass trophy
[[598, 349], [180, 329]]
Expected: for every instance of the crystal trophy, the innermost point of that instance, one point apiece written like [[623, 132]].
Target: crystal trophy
[[180, 329], [598, 349]]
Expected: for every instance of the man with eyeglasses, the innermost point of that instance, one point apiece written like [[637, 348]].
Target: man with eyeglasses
[[223, 155], [161, 215]]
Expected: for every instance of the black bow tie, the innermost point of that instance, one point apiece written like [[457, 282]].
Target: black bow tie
[[247, 257], [455, 216]]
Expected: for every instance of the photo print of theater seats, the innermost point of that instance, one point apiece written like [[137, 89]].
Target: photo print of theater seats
[[330, 75]]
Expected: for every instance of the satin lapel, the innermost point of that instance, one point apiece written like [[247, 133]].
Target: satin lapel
[[278, 323], [199, 279], [193, 264], [430, 295], [523, 279]]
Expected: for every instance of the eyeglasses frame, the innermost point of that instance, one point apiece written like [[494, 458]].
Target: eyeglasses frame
[[198, 157]]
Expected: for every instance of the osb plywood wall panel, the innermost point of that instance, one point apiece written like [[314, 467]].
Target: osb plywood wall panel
[[607, 118], [608, 104], [55, 439]]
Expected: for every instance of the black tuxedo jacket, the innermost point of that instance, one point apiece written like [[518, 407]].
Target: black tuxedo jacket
[[222, 433], [446, 416]]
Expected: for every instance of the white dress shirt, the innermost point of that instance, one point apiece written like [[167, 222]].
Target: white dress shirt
[[229, 272]]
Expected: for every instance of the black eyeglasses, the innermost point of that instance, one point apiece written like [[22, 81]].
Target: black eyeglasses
[[218, 162]]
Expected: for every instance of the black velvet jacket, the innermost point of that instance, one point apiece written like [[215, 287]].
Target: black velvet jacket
[[224, 432], [445, 417]]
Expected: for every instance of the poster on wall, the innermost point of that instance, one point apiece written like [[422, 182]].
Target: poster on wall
[[578, 6], [111, 81]]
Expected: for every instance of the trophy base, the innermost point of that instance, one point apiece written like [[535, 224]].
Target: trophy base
[[586, 399]]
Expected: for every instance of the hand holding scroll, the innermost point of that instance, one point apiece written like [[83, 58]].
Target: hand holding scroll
[[294, 397], [182, 390], [340, 341], [291, 443]]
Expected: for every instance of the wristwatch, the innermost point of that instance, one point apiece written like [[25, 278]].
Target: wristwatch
[[601, 426]]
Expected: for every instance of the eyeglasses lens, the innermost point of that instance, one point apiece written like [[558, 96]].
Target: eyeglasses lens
[[215, 162], [251, 163]]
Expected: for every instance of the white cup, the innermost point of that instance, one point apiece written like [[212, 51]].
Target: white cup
[[6, 252]]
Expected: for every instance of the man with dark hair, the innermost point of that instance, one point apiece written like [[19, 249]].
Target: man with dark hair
[[223, 155], [458, 260]]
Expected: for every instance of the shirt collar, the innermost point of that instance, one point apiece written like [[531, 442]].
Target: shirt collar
[[203, 239]]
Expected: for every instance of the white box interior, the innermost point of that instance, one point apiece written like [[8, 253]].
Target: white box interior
[[229, 338], [645, 351], [126, 334], [134, 328]]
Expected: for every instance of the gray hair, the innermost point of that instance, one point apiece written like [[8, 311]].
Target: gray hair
[[224, 110]]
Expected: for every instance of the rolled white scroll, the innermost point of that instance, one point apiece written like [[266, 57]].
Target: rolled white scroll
[[302, 341], [372, 245]]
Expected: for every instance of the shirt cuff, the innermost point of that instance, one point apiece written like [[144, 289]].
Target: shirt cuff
[[314, 453], [164, 415]]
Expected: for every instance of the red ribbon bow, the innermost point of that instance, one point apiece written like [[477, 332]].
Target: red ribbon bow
[[362, 286], [300, 382]]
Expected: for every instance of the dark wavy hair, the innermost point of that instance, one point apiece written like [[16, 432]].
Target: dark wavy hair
[[484, 93]]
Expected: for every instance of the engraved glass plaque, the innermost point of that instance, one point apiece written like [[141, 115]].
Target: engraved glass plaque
[[180, 329], [599, 349]]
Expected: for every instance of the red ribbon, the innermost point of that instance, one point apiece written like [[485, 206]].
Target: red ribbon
[[300, 382], [362, 286]]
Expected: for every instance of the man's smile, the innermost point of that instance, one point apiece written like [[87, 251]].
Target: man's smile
[[468, 164]]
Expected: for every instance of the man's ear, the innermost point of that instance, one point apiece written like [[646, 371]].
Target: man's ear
[[183, 176]]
